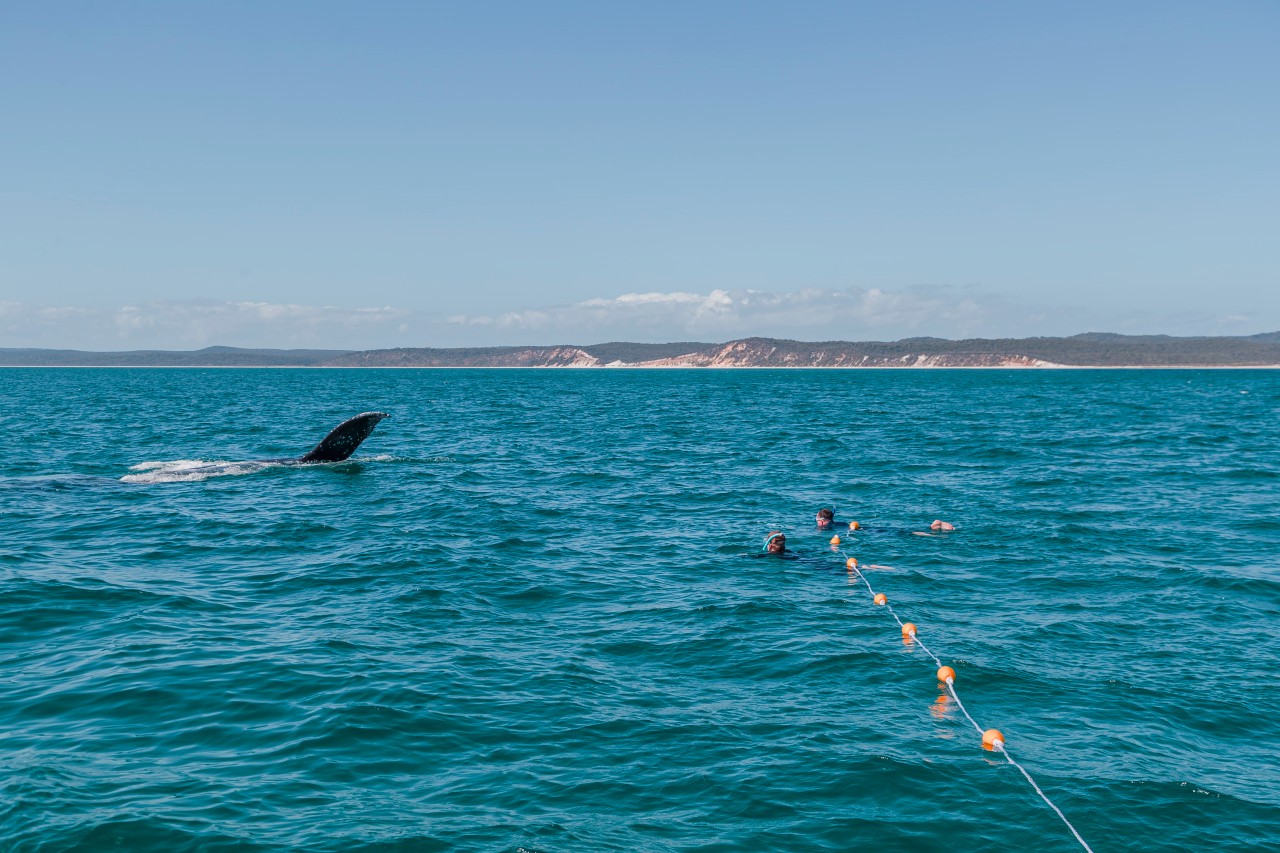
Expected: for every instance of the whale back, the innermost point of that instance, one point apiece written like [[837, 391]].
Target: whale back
[[343, 439]]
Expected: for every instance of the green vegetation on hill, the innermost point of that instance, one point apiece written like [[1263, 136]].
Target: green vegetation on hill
[[635, 353], [207, 357], [1086, 350]]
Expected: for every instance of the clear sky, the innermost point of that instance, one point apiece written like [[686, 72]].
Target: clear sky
[[298, 174]]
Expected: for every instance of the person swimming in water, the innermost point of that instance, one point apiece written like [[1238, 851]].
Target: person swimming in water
[[937, 526], [775, 543], [775, 547], [826, 519]]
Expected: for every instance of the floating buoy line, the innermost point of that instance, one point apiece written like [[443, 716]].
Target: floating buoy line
[[992, 739]]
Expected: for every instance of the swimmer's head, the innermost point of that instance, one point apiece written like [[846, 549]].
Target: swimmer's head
[[825, 517], [938, 524], [775, 543]]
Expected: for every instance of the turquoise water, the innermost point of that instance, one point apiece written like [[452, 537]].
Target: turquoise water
[[530, 613]]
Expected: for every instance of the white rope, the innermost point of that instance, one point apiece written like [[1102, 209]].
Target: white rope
[[1000, 746], [926, 648], [860, 575], [951, 688]]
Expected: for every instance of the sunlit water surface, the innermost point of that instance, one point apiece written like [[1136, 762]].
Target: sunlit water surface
[[531, 612]]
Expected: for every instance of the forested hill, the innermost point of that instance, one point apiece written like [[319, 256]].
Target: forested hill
[[208, 357], [1086, 350]]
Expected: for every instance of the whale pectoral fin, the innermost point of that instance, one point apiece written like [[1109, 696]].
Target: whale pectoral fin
[[343, 440]]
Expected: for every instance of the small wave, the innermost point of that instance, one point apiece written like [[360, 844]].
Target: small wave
[[190, 470]]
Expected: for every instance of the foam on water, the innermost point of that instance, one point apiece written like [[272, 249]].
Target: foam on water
[[191, 470], [195, 470]]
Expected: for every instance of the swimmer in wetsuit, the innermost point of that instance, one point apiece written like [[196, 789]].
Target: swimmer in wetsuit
[[826, 519], [775, 545]]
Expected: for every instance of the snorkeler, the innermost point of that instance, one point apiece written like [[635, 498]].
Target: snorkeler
[[775, 545], [826, 518]]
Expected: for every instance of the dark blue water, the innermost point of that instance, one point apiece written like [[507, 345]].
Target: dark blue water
[[530, 612]]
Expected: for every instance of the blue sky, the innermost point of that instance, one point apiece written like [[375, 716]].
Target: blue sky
[[387, 174]]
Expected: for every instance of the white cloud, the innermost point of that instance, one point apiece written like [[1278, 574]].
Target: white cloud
[[812, 314], [196, 324], [725, 314]]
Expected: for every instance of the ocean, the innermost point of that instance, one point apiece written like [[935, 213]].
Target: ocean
[[532, 613]]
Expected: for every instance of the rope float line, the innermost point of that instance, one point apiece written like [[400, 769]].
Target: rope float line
[[992, 739]]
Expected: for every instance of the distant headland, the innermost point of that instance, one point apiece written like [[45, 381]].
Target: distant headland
[[1094, 349]]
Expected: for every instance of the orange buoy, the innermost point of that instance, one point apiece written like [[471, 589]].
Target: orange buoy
[[908, 629], [992, 739], [851, 563], [880, 598], [946, 673], [835, 540], [853, 525]]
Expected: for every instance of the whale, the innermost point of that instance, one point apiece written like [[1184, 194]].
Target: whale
[[337, 446], [343, 439]]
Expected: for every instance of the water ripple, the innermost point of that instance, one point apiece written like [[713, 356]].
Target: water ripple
[[534, 614]]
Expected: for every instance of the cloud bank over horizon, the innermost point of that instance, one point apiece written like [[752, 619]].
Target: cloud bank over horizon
[[728, 314], [194, 324], [813, 314]]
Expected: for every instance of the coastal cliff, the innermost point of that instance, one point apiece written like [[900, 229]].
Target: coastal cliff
[[1086, 350], [1089, 350]]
